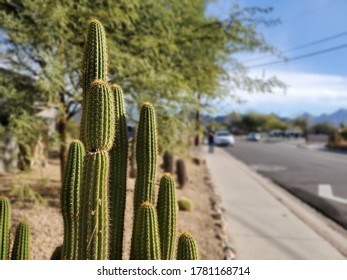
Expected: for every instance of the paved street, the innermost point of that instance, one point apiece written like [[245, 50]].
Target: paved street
[[316, 176]]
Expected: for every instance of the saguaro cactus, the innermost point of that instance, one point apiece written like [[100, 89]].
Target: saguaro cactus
[[4, 227], [70, 199], [94, 65], [146, 241], [118, 176], [186, 248], [21, 249], [167, 212]]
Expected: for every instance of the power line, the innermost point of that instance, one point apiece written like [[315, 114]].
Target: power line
[[302, 56], [316, 42]]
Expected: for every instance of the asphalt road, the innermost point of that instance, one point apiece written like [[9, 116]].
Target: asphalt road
[[301, 171]]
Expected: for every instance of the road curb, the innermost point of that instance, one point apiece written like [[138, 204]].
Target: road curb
[[319, 223]]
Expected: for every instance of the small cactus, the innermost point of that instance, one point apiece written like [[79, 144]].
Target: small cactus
[[21, 248], [167, 213], [118, 176], [186, 248], [70, 199], [185, 204], [146, 241], [168, 161], [4, 227], [181, 172]]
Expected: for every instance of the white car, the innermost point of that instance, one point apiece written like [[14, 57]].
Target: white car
[[253, 136], [223, 137]]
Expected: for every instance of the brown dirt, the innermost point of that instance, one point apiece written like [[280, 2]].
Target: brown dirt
[[47, 226]]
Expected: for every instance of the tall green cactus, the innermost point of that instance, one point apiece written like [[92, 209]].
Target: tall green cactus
[[186, 248], [167, 213], [70, 199], [146, 241], [146, 156], [4, 227], [118, 176], [146, 159], [21, 246], [94, 65]]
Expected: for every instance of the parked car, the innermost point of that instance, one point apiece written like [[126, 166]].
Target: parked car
[[224, 138], [253, 136]]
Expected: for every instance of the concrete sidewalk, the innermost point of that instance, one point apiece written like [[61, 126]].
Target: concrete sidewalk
[[259, 224]]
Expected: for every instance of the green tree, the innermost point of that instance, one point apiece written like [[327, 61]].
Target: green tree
[[272, 122], [166, 52]]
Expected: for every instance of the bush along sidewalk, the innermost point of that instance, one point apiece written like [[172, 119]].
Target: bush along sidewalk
[[94, 186]]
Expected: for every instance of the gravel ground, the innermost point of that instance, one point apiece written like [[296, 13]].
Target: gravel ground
[[47, 227]]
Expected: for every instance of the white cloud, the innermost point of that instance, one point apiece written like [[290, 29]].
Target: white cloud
[[307, 92]]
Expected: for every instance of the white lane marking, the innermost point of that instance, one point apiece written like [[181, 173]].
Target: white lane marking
[[326, 191]]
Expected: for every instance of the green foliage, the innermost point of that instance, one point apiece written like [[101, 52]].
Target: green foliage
[[23, 195], [186, 248], [118, 176], [70, 199], [343, 134], [167, 52], [21, 245], [323, 128], [272, 122], [167, 213], [185, 204], [4, 227], [146, 241]]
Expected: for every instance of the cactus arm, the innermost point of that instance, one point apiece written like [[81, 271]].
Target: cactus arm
[[167, 213], [4, 227], [118, 176]]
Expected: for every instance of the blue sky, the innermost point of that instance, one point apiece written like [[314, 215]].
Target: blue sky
[[316, 84]]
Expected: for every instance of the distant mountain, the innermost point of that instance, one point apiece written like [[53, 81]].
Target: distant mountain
[[336, 118]]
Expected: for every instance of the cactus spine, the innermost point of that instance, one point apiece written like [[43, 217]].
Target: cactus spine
[[146, 241], [70, 199], [21, 249], [118, 176], [4, 227], [167, 213], [94, 65], [186, 248]]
